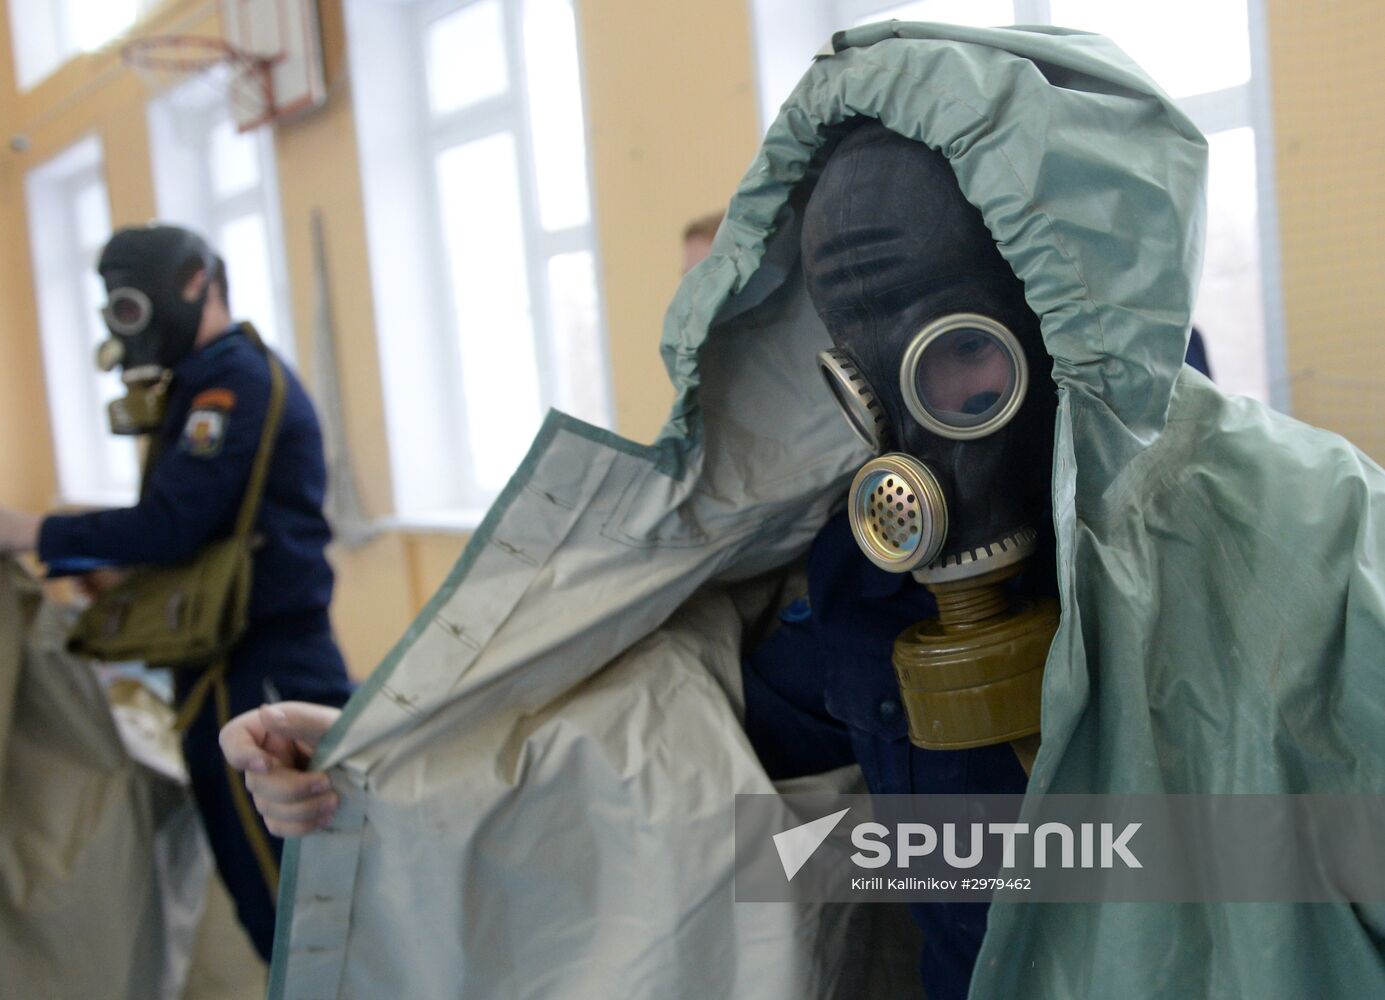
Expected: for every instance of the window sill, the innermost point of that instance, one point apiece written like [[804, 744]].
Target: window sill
[[434, 522], [80, 503]]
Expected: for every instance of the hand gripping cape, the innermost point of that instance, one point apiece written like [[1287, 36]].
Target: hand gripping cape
[[538, 780]]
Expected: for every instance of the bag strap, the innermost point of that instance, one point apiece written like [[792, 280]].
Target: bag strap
[[213, 681], [152, 450], [259, 472]]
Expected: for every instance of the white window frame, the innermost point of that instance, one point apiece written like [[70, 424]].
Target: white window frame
[[186, 196], [420, 353], [94, 468], [797, 30], [43, 39]]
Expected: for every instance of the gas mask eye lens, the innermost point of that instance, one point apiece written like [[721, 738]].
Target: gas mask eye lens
[[127, 311], [855, 397], [964, 376]]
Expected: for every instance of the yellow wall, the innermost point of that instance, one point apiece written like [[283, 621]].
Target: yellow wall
[[1329, 106], [671, 107], [669, 90]]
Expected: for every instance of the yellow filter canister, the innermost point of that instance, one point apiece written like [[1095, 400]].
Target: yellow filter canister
[[139, 411], [974, 676]]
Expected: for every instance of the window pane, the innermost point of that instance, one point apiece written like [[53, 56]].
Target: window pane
[[484, 235], [95, 22], [1188, 46], [119, 461], [1230, 309], [555, 109], [244, 245], [977, 13], [579, 357], [93, 298], [34, 41], [466, 57], [92, 216], [234, 159], [220, 183], [66, 198]]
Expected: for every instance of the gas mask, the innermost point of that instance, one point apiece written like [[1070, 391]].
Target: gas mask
[[152, 326], [939, 367]]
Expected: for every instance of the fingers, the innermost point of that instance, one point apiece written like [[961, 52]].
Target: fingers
[[96, 582], [103, 580], [283, 785], [243, 743], [257, 740], [287, 829], [295, 828], [299, 721], [269, 744], [293, 803]]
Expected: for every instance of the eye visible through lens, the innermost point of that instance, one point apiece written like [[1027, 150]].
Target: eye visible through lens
[[126, 310], [965, 376]]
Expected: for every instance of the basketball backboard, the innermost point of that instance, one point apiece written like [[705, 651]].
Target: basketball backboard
[[288, 33]]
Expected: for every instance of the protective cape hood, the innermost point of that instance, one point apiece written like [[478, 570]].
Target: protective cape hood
[[537, 782]]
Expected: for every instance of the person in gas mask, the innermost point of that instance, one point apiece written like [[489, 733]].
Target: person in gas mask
[[938, 365], [201, 386]]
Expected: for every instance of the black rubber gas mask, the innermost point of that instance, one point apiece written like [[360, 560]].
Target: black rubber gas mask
[[146, 269], [938, 361], [939, 367]]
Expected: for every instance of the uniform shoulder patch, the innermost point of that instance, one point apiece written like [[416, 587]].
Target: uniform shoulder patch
[[208, 418], [215, 399]]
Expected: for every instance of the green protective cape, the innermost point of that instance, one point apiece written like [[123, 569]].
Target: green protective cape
[[542, 770]]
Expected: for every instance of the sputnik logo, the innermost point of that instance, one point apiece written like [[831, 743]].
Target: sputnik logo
[[798, 844]]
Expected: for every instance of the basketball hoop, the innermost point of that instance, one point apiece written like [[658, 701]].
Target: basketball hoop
[[266, 62], [163, 61]]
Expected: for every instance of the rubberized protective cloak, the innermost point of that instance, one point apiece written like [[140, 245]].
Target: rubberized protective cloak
[[537, 781]]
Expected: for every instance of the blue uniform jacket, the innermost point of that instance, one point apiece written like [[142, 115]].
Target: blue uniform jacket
[[192, 494], [216, 410], [821, 692]]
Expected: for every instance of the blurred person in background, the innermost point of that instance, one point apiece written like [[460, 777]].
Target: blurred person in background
[[203, 386]]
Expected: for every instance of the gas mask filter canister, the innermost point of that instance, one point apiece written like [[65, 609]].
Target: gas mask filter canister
[[141, 410]]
